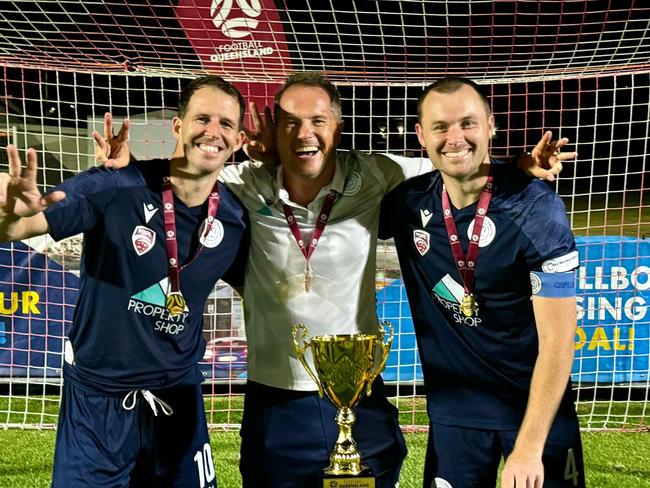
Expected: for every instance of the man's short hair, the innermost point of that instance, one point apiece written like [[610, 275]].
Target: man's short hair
[[311, 78], [451, 84], [216, 82]]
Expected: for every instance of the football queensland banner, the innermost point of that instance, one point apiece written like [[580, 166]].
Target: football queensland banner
[[240, 39]]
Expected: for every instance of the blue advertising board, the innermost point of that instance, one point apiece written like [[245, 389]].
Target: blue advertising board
[[613, 336], [613, 293], [37, 298]]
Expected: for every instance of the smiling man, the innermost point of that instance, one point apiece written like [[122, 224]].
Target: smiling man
[[329, 202], [314, 222], [490, 281], [157, 237]]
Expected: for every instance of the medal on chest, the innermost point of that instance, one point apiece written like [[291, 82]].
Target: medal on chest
[[175, 303], [467, 265], [467, 305], [307, 252]]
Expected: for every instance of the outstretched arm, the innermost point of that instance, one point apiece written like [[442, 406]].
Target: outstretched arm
[[556, 326], [21, 204], [112, 150], [544, 162]]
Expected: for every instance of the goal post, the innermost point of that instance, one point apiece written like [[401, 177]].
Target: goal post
[[568, 67]]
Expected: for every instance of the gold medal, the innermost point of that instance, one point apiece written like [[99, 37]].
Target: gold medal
[[467, 305], [175, 303]]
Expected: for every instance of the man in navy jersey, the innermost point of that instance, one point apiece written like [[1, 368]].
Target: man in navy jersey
[[487, 257], [156, 239], [287, 430]]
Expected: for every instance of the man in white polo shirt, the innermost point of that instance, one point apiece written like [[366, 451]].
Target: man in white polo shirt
[[287, 430]]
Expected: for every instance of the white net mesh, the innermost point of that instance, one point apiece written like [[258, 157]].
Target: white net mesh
[[580, 68]]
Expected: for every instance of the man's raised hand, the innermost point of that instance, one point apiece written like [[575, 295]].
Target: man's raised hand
[[112, 150], [19, 194], [261, 141], [545, 160]]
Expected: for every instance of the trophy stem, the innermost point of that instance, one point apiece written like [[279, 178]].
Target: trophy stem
[[345, 459]]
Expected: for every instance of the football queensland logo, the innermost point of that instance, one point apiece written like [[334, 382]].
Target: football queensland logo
[[143, 239], [231, 24], [240, 35], [151, 303], [449, 294]]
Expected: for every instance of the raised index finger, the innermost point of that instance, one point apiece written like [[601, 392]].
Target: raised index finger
[[14, 161]]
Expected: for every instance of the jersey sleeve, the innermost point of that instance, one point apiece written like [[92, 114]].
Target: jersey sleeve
[[87, 195], [396, 169], [250, 181], [552, 246]]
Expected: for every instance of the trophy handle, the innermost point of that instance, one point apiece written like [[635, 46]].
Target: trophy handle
[[299, 333], [385, 350]]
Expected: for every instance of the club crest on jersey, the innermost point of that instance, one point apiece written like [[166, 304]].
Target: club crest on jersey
[[535, 283], [441, 483], [214, 237], [488, 232], [422, 240], [143, 239], [352, 185]]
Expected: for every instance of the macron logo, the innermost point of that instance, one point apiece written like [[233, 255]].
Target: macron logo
[[425, 215], [149, 211]]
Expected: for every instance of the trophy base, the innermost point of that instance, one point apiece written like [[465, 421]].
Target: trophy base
[[365, 479]]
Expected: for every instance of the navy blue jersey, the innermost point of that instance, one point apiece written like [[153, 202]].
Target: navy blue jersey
[[122, 336], [477, 369]]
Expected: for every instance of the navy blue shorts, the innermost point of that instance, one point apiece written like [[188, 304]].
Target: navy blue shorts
[[287, 437], [101, 444], [459, 457]]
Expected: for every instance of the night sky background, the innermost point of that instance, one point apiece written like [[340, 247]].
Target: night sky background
[[579, 68]]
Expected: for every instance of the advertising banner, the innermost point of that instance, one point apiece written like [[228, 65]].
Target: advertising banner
[[613, 296], [37, 299], [612, 343]]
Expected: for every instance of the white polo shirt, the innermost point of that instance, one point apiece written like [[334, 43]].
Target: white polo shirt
[[341, 299]]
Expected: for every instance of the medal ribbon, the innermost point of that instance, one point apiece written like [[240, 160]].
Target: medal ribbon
[[171, 243], [323, 216], [466, 267]]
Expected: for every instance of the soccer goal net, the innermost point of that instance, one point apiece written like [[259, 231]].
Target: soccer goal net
[[580, 69]]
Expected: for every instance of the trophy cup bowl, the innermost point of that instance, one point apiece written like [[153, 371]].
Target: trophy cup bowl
[[345, 368]]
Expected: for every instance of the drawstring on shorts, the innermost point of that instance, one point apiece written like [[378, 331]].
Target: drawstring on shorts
[[151, 399]]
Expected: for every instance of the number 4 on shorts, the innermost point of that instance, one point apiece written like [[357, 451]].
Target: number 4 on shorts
[[570, 470]]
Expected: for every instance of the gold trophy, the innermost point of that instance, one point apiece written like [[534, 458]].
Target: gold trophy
[[346, 366]]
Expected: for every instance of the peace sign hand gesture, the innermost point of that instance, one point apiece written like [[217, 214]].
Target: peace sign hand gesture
[[112, 150], [20, 197], [261, 145]]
